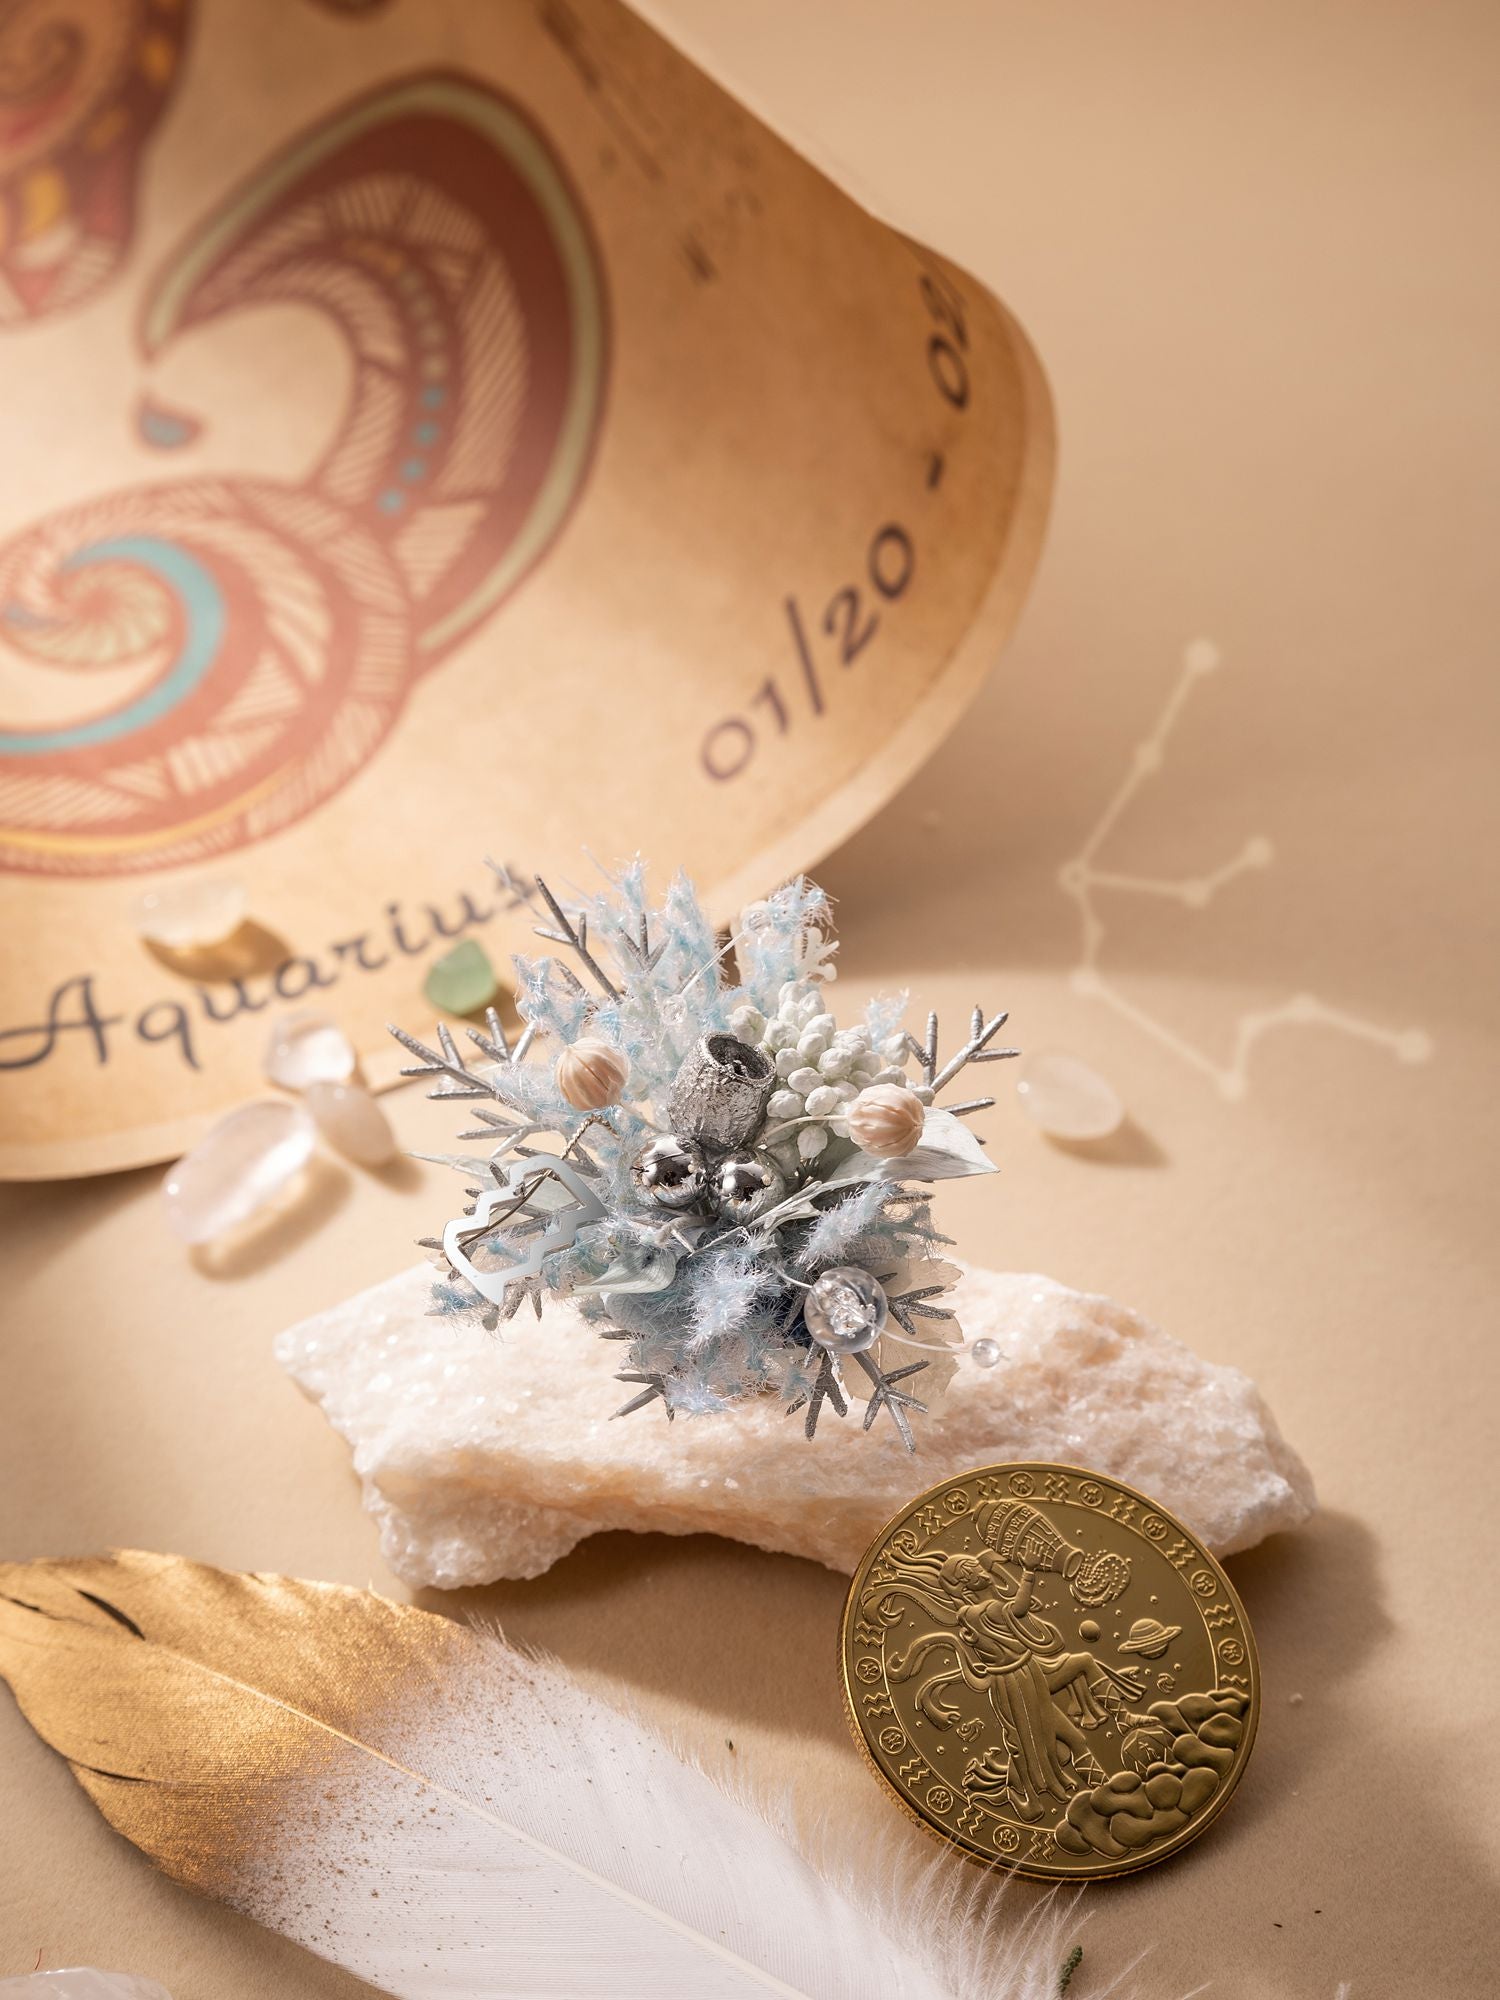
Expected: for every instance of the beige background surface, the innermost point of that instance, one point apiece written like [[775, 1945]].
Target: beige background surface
[[1254, 250]]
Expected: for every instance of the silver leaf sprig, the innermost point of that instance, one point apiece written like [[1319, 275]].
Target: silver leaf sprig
[[975, 1050]]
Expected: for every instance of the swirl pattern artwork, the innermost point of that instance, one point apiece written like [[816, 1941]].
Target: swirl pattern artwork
[[195, 664]]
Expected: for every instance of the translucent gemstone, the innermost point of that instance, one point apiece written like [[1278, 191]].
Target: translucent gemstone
[[182, 916], [985, 1352], [305, 1049], [1066, 1098], [350, 1120], [236, 1168], [81, 1982], [845, 1310], [462, 980]]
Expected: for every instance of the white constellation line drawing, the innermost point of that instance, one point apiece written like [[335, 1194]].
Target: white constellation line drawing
[[1081, 880]]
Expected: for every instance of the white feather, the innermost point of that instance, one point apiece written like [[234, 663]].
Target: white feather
[[454, 1820], [522, 1839]]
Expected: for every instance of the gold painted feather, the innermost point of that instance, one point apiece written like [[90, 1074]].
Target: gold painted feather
[[449, 1818]]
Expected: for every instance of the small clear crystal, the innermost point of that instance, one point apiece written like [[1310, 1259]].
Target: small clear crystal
[[184, 916], [985, 1353], [351, 1121], [237, 1168], [305, 1049], [1066, 1098], [845, 1310]]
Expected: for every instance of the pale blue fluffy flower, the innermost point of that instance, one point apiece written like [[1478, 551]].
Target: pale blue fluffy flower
[[767, 954]]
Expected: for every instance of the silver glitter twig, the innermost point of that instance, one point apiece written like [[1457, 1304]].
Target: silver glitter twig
[[825, 1389], [656, 1385], [905, 1305], [640, 950], [895, 1400], [975, 1049], [449, 1063], [576, 936]]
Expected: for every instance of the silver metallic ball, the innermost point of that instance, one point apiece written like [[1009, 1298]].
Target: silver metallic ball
[[845, 1310], [746, 1185], [672, 1171]]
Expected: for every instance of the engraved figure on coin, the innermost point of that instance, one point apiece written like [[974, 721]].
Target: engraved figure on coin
[[1042, 1696]]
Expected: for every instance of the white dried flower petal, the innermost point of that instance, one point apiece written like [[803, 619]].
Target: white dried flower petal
[[811, 1140], [784, 1104], [803, 1080], [820, 1102]]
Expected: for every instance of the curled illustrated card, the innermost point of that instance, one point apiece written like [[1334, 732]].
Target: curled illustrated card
[[430, 431]]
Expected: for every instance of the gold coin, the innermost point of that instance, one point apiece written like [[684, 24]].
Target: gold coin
[[1050, 1671]]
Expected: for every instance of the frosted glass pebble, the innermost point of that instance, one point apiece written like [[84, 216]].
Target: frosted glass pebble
[[1066, 1098], [182, 916], [462, 980], [236, 1168], [352, 1122], [81, 1982], [308, 1048]]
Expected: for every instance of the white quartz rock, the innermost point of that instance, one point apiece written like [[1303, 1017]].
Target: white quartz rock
[[486, 1457]]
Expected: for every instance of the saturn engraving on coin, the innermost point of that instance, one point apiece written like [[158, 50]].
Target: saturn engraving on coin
[[1050, 1671]]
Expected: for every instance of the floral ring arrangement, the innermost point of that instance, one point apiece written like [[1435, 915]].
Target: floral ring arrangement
[[685, 1143]]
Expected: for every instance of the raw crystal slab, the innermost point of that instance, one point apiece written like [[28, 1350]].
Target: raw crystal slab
[[484, 1457]]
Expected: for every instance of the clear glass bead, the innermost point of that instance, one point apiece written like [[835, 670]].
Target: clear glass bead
[[845, 1310], [985, 1353]]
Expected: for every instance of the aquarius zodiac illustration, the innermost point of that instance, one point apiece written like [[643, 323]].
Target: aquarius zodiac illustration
[[1042, 1696], [217, 656]]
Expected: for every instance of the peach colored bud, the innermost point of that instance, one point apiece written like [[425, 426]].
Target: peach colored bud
[[592, 1073], [886, 1120]]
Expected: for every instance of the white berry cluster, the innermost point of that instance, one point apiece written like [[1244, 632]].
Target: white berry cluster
[[820, 1068]]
